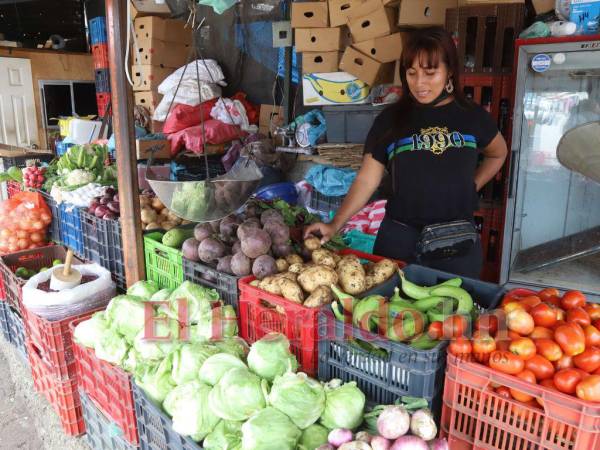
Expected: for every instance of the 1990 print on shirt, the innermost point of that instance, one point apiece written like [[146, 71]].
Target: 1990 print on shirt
[[432, 154]]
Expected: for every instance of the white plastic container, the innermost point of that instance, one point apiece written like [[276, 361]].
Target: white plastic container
[[85, 131]]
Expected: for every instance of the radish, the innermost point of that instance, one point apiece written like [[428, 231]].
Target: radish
[[380, 443], [393, 422], [409, 443], [339, 436], [438, 444]]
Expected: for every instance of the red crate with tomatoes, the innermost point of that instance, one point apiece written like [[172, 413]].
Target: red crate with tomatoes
[[539, 364]]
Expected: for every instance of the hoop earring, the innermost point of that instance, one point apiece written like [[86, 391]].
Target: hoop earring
[[450, 86]]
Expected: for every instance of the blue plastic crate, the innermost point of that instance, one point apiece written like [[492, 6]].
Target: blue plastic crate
[[71, 231], [62, 147], [4, 330], [16, 328], [98, 30], [102, 81]]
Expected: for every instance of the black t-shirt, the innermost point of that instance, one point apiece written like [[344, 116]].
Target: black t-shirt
[[432, 154]]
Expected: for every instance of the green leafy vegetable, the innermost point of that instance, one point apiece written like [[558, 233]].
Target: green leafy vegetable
[[88, 332], [313, 437], [269, 429], [227, 435], [216, 366], [127, 315], [271, 356], [344, 405], [238, 394], [143, 289], [155, 379], [111, 347], [299, 397], [188, 359]]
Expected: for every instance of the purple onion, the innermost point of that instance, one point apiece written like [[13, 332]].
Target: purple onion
[[438, 444], [409, 443]]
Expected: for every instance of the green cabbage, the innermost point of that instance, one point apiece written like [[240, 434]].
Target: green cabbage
[[88, 332], [220, 323], [227, 435], [234, 345], [143, 289], [344, 405], [130, 363], [155, 379], [313, 437], [199, 301], [269, 429], [127, 315], [111, 347], [237, 395], [299, 397], [187, 404], [215, 367], [155, 349], [271, 356], [188, 359], [162, 295]]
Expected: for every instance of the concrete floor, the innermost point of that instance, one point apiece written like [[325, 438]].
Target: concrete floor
[[27, 421]]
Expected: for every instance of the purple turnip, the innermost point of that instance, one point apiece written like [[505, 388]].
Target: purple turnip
[[393, 422], [438, 444], [380, 443], [339, 436], [423, 425], [113, 206], [100, 211], [409, 443], [109, 216]]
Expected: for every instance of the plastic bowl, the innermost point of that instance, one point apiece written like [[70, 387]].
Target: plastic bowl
[[283, 191]]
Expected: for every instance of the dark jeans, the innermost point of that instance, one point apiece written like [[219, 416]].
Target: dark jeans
[[399, 241]]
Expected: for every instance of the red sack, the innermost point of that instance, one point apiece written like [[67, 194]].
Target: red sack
[[185, 116], [24, 219], [216, 133], [251, 110]]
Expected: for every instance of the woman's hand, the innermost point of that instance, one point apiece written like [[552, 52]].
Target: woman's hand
[[323, 230]]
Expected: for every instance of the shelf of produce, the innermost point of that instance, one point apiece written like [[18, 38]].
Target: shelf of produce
[[476, 417], [100, 430], [164, 264], [155, 427], [61, 394], [108, 386], [399, 370], [225, 284]]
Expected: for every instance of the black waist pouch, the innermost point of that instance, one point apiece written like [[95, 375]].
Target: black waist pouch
[[446, 240]]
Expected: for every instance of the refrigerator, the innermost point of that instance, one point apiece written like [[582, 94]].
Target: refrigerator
[[552, 221]]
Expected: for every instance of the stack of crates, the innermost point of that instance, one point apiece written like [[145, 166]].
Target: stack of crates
[[98, 41]]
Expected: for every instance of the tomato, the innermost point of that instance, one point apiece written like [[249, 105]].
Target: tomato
[[543, 315], [487, 322], [461, 347], [553, 300], [540, 366], [541, 333], [558, 324], [483, 346], [520, 322], [596, 323], [548, 349], [512, 306], [592, 336], [435, 330], [503, 392], [566, 380], [454, 326], [514, 295], [578, 315], [589, 360], [502, 344], [572, 299], [529, 377], [593, 309], [571, 338], [566, 362], [548, 383], [597, 371], [506, 362], [523, 347], [548, 293], [529, 302], [589, 388]]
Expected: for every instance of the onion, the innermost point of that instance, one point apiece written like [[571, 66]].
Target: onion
[[339, 436], [409, 443], [438, 444], [363, 436], [380, 443], [393, 422], [423, 425]]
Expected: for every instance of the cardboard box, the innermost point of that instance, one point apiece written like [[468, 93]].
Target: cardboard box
[[342, 10], [310, 15], [586, 15], [318, 39], [143, 147], [367, 69], [319, 62], [270, 118], [147, 78], [377, 23], [335, 88], [163, 54], [419, 13], [543, 6], [168, 30], [384, 49], [147, 99], [150, 7], [156, 126]]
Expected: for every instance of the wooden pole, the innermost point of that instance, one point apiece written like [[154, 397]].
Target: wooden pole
[[123, 126]]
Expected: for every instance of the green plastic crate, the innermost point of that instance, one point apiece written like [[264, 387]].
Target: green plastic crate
[[164, 265], [360, 241]]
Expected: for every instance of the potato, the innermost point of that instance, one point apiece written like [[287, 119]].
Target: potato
[[323, 257], [352, 280], [323, 295], [384, 270], [337, 258], [145, 201], [148, 215], [294, 259], [282, 265], [167, 225], [296, 267], [312, 243], [369, 282], [290, 290], [153, 226], [270, 284], [289, 275], [157, 204], [313, 277], [348, 259]]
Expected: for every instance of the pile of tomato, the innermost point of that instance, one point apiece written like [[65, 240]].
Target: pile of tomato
[[539, 337]]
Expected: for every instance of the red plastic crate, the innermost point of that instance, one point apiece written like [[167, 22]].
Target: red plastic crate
[[476, 417], [109, 386], [103, 100], [261, 313], [53, 341], [100, 56], [61, 394], [12, 188]]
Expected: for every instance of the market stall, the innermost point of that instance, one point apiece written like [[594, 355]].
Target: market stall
[[158, 278]]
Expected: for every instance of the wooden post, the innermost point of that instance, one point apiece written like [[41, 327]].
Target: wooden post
[[123, 126]]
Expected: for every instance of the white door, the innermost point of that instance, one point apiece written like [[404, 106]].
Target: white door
[[18, 123]]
